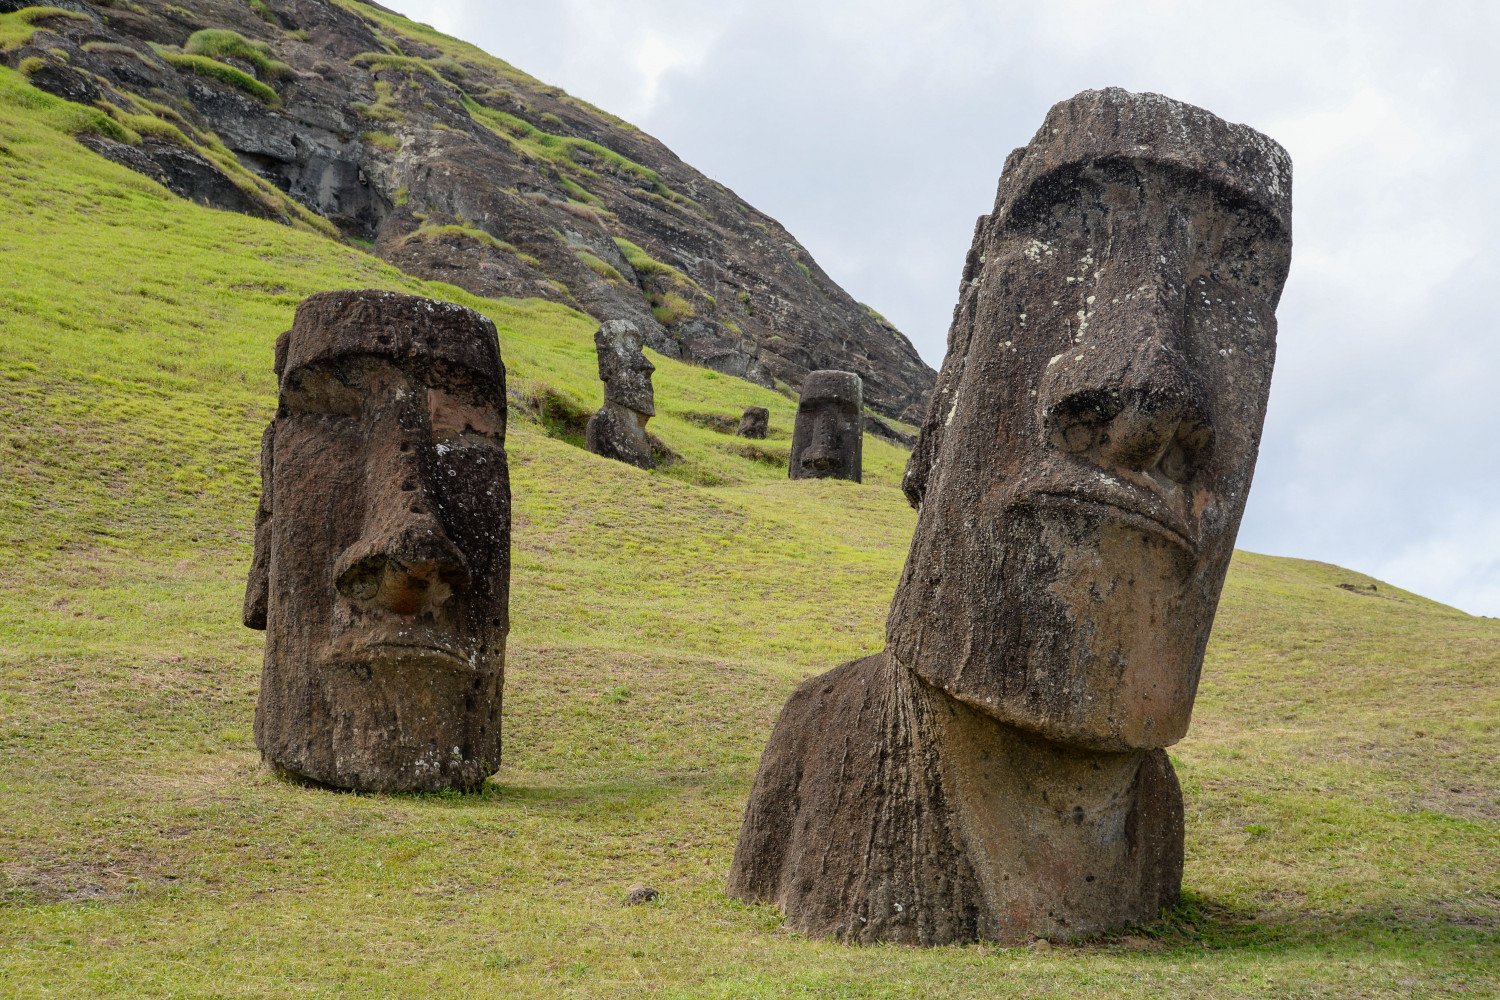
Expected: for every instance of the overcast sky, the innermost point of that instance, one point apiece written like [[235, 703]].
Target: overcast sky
[[875, 131]]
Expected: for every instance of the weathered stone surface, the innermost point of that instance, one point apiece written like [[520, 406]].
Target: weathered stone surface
[[419, 155], [828, 439], [618, 429], [381, 571], [640, 894], [998, 772], [756, 422]]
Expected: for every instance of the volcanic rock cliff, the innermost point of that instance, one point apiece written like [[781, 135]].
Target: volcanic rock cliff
[[453, 165]]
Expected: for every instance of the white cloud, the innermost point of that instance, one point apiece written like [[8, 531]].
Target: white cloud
[[875, 131]]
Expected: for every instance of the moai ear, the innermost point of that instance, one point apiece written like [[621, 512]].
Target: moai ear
[[924, 455], [257, 589]]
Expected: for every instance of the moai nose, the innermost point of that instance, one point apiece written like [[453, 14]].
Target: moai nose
[[412, 570], [1124, 394], [822, 453], [404, 560]]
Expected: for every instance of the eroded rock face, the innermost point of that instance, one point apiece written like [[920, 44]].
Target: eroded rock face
[[755, 423], [382, 547], [828, 439], [618, 429], [998, 772], [419, 155]]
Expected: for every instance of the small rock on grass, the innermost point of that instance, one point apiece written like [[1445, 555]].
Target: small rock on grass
[[640, 894]]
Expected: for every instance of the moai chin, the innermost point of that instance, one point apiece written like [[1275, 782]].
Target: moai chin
[[381, 572], [618, 428], [755, 423], [998, 772], [828, 437]]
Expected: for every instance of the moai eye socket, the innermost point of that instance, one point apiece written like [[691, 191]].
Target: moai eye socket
[[322, 391], [457, 418]]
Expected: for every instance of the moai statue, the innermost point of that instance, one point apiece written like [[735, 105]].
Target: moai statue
[[755, 423], [828, 438], [618, 428], [998, 772], [381, 572]]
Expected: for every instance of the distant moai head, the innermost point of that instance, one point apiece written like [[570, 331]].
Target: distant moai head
[[828, 439], [382, 546], [623, 366], [1090, 444], [755, 423]]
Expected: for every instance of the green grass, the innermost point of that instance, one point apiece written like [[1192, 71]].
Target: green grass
[[384, 108], [669, 308], [223, 43], [1340, 775], [465, 54], [581, 156], [644, 263], [664, 293], [578, 192], [158, 121], [430, 231], [405, 65], [600, 267], [223, 72], [17, 27], [118, 49], [17, 97], [382, 140], [568, 152]]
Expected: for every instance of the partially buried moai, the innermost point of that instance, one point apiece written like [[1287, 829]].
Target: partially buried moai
[[998, 772], [382, 547], [828, 437], [754, 423], [618, 428]]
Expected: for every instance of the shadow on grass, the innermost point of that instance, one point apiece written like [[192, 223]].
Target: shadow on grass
[[608, 792], [1199, 924]]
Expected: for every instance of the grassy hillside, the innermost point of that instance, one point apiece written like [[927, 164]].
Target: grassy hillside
[[1340, 775]]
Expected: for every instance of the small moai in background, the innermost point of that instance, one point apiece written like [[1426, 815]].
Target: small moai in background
[[828, 438], [999, 771], [381, 572], [618, 428], [755, 423]]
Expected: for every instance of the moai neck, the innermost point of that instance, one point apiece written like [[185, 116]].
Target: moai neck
[[1062, 840]]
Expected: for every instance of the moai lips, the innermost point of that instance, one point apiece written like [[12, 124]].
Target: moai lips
[[382, 547], [1080, 478], [828, 437], [618, 428]]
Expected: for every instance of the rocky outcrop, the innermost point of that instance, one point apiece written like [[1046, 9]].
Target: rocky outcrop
[[456, 166]]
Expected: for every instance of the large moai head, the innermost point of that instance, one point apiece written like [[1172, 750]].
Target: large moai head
[[382, 546], [1085, 462], [828, 438], [623, 366]]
